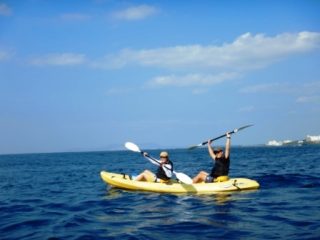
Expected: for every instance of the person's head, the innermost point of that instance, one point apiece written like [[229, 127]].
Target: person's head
[[164, 156], [218, 152]]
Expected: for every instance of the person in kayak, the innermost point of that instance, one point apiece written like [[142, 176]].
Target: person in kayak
[[164, 172], [220, 171]]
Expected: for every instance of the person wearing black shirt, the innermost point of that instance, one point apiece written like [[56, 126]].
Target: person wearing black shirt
[[164, 171], [221, 161]]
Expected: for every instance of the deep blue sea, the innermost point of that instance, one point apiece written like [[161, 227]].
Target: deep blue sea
[[61, 196]]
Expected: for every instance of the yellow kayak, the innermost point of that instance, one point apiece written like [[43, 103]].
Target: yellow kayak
[[125, 182]]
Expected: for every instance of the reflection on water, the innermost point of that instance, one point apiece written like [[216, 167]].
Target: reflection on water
[[164, 210], [217, 198]]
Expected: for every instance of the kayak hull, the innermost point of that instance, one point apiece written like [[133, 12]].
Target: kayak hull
[[123, 181]]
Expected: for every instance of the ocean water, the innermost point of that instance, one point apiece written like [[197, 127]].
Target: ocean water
[[61, 196]]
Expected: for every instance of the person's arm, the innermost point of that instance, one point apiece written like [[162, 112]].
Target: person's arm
[[211, 151], [152, 160], [228, 144]]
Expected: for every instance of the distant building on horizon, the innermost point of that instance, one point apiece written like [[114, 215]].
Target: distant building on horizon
[[307, 141]]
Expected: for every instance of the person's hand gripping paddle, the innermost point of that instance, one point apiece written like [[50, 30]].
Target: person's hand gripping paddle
[[211, 140]]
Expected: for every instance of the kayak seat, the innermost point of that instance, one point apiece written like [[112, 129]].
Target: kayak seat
[[221, 179]]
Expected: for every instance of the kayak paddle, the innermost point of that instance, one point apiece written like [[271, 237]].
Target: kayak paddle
[[233, 131], [180, 176]]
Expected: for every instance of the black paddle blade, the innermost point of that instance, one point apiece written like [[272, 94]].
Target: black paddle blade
[[250, 125]]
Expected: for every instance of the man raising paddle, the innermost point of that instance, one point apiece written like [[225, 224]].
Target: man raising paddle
[[220, 171]]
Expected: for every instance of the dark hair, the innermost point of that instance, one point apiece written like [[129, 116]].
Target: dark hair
[[218, 150]]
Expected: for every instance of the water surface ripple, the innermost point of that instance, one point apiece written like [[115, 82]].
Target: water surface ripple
[[61, 196]]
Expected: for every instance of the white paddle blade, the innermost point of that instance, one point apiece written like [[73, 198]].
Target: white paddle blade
[[195, 146], [133, 147], [183, 178]]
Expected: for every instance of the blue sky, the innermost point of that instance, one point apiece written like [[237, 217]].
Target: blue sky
[[91, 75]]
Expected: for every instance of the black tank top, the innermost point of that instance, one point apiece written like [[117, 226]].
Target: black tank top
[[221, 167], [161, 173]]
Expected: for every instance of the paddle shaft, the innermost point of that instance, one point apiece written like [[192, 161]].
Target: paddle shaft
[[180, 176], [214, 139], [223, 135], [155, 160]]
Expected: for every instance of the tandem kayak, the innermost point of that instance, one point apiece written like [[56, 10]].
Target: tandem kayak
[[124, 181]]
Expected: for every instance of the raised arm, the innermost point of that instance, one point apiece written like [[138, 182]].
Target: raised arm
[[228, 144], [211, 151]]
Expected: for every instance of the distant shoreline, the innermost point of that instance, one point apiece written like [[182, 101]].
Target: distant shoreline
[[161, 148]]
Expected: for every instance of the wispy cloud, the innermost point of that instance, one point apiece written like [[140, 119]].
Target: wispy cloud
[[191, 80], [220, 62], [309, 99], [203, 65], [5, 54], [312, 87], [59, 59], [135, 13], [5, 10], [309, 88], [263, 88], [302, 92], [246, 52]]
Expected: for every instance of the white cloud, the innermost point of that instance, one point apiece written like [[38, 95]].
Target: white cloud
[[5, 10], [308, 99], [191, 80], [221, 62], [135, 13], [206, 65], [60, 59], [246, 52]]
